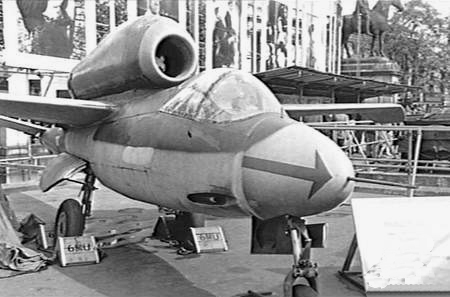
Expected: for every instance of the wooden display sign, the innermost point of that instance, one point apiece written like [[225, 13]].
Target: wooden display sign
[[209, 239], [77, 250]]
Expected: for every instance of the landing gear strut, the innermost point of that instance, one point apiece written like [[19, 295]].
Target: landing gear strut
[[174, 227], [303, 268], [71, 215], [88, 188]]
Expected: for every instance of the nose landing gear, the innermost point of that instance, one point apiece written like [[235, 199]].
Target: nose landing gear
[[303, 267]]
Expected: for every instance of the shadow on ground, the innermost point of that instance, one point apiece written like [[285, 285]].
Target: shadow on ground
[[126, 271], [130, 271]]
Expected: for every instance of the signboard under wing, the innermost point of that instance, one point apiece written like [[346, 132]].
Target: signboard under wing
[[209, 239], [77, 250]]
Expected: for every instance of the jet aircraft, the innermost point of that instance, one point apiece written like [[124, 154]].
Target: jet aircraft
[[147, 125]]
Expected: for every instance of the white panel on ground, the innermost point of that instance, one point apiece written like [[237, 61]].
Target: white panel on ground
[[404, 245]]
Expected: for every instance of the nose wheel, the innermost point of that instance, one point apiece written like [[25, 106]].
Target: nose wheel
[[303, 269], [71, 215]]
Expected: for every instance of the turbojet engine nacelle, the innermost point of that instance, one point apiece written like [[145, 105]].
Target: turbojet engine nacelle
[[150, 52]]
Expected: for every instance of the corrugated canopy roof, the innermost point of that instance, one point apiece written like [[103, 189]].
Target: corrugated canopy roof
[[344, 88]]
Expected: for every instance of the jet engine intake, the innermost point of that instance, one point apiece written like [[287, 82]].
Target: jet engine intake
[[151, 52], [165, 58]]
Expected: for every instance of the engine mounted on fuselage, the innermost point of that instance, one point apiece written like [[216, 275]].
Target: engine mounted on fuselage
[[151, 52]]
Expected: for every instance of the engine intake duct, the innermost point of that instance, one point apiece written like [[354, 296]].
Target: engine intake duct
[[151, 52]]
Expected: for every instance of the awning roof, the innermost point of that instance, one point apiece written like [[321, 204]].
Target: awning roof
[[344, 88]]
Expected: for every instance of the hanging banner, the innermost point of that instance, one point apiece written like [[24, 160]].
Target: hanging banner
[[225, 26], [159, 7], [277, 37], [45, 34]]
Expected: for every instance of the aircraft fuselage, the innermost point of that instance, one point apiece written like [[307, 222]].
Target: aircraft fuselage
[[265, 165]]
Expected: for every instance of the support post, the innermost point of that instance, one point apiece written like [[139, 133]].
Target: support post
[[87, 189], [30, 158], [52, 76], [416, 161], [358, 45], [354, 277], [409, 164], [350, 254]]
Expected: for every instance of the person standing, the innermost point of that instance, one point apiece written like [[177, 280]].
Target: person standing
[[281, 41], [219, 40], [231, 36]]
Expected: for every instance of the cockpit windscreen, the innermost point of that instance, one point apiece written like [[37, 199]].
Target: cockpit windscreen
[[222, 95]]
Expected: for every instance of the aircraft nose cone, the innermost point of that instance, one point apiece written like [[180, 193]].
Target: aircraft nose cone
[[297, 171]]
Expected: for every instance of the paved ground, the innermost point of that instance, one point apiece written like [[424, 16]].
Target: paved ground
[[154, 269]]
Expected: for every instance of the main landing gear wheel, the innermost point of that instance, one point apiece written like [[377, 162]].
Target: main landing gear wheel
[[72, 215], [69, 219]]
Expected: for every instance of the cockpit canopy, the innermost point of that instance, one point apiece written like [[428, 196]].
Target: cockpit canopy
[[222, 95]]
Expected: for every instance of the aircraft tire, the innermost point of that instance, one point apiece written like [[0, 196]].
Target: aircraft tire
[[69, 219], [304, 291]]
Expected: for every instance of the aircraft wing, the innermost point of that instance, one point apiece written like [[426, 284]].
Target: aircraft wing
[[378, 112], [65, 112], [26, 127]]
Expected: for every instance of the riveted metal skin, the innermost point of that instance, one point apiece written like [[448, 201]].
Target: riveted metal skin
[[265, 165]]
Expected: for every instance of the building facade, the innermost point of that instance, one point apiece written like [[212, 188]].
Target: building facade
[[41, 41]]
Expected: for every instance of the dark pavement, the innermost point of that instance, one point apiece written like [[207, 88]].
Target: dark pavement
[[153, 268]]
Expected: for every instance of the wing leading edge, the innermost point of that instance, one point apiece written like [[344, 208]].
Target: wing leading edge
[[65, 112], [378, 112], [26, 127]]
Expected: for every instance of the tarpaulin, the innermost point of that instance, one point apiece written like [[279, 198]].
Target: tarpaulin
[[14, 257], [17, 260]]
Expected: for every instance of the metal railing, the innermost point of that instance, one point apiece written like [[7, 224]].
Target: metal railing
[[22, 162], [367, 161]]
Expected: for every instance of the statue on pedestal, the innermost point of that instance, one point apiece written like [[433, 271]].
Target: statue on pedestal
[[373, 23]]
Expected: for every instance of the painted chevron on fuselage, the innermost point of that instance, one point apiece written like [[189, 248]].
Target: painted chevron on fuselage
[[167, 168]]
